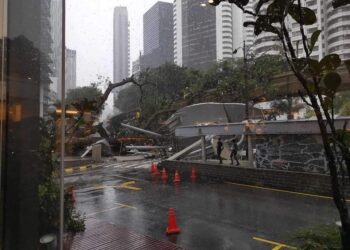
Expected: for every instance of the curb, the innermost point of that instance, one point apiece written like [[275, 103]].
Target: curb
[[82, 168]]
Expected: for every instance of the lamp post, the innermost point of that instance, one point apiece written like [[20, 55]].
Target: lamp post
[[248, 143]]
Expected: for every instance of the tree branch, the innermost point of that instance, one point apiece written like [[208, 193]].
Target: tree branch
[[155, 115], [304, 100], [112, 86], [304, 38]]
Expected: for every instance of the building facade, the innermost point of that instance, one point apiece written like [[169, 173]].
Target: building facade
[[121, 47], [158, 29], [335, 32], [71, 69], [204, 35]]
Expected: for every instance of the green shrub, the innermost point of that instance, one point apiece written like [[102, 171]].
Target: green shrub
[[321, 237]]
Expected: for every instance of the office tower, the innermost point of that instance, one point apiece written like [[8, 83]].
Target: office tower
[[121, 47], [204, 35], [121, 50], [71, 69], [158, 45]]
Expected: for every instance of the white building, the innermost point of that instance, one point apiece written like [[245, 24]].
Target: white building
[[71, 69], [121, 48], [334, 38]]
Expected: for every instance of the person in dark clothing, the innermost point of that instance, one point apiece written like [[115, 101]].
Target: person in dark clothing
[[234, 150], [219, 148]]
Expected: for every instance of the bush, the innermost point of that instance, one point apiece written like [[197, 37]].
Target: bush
[[321, 237]]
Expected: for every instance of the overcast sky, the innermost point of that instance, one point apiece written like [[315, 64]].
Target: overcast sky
[[90, 33]]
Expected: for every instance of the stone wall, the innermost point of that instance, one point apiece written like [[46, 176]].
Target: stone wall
[[311, 183], [302, 153]]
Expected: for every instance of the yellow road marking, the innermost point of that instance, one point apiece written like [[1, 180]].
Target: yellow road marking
[[103, 211], [93, 166], [282, 191], [277, 245], [125, 205], [127, 184], [68, 170], [82, 168], [120, 205]]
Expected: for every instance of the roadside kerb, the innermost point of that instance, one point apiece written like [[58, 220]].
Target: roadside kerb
[[318, 184], [82, 168]]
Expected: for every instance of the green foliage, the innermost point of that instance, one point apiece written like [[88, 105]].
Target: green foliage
[[345, 109], [302, 15], [85, 98], [48, 189], [128, 99], [341, 103], [74, 220], [309, 113], [164, 87], [48, 193], [322, 237], [230, 75]]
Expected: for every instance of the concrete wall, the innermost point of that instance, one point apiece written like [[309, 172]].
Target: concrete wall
[[280, 179]]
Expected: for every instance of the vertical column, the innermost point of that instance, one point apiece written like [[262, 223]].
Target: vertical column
[[204, 154]]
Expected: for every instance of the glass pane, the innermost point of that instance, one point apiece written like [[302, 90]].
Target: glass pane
[[31, 137], [212, 98]]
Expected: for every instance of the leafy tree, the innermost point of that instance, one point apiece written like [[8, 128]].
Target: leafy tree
[[342, 103], [287, 106], [164, 92], [319, 81], [85, 99], [239, 81]]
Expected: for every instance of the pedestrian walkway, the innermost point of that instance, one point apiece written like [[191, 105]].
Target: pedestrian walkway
[[105, 236]]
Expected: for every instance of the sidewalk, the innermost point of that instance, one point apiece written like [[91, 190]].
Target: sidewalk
[[103, 236]]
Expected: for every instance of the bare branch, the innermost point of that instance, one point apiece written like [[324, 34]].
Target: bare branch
[[112, 86], [303, 98]]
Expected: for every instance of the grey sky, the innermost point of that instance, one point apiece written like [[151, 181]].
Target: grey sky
[[90, 33]]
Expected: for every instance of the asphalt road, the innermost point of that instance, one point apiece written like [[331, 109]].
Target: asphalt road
[[211, 215]]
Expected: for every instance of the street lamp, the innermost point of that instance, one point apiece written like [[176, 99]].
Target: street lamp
[[248, 146]]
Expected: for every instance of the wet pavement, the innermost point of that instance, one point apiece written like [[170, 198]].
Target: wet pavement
[[211, 215]]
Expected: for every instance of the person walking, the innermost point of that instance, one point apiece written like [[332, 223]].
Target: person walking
[[234, 150], [219, 148]]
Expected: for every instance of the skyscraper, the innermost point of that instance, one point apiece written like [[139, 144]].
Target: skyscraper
[[121, 49], [204, 35], [71, 69], [158, 45]]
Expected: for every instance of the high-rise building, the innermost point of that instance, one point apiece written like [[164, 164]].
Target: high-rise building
[[158, 45], [204, 35], [121, 49], [71, 69], [334, 38], [56, 55]]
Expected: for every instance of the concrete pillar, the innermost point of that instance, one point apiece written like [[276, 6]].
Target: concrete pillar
[[204, 154], [97, 152], [250, 152]]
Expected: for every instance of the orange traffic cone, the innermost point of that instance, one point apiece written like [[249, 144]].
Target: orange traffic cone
[[71, 193], [172, 227], [164, 175], [193, 174], [177, 177], [152, 167], [155, 172]]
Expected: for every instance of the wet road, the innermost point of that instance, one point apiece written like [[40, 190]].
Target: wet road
[[211, 215]]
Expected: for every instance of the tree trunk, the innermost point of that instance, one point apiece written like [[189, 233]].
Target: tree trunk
[[338, 198]]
